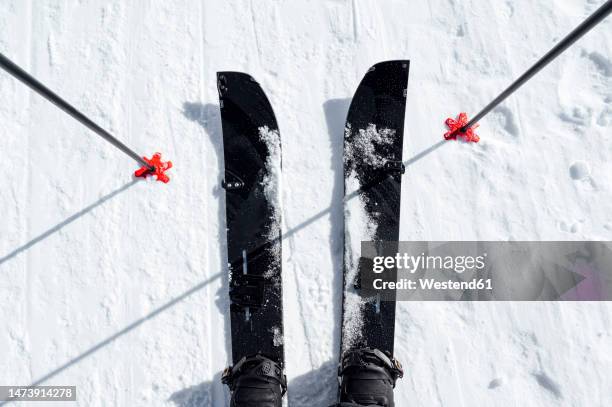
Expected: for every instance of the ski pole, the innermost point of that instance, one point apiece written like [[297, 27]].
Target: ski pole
[[598, 16], [41, 89]]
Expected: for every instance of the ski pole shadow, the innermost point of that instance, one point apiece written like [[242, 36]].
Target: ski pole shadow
[[424, 153], [354, 194], [313, 388], [66, 222], [174, 301]]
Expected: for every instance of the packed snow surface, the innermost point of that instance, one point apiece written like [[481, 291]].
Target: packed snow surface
[[119, 287]]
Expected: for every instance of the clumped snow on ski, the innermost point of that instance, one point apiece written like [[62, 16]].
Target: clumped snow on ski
[[363, 145], [358, 225], [272, 187]]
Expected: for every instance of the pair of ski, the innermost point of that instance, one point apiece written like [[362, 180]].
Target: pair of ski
[[372, 170]]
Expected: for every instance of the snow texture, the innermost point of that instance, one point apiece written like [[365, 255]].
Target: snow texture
[[363, 145], [120, 287]]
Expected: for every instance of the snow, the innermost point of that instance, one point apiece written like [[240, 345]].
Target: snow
[[120, 287], [364, 142], [277, 338], [272, 186]]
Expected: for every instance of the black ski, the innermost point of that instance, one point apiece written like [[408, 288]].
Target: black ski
[[252, 153], [372, 170]]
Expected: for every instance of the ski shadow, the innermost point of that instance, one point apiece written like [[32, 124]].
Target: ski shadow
[[200, 395], [66, 222], [336, 111], [208, 116], [315, 388]]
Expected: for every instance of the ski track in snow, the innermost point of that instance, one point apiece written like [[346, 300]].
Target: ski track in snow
[[120, 287]]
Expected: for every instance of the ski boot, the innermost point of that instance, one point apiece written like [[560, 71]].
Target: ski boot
[[367, 378], [255, 381]]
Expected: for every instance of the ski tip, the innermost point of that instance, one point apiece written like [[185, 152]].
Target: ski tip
[[234, 77], [235, 74], [404, 63], [242, 89]]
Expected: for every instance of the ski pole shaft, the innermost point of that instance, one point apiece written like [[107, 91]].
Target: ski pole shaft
[[594, 19], [41, 89]]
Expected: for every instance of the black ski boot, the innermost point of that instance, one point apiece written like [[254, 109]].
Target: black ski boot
[[255, 381], [367, 378]]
